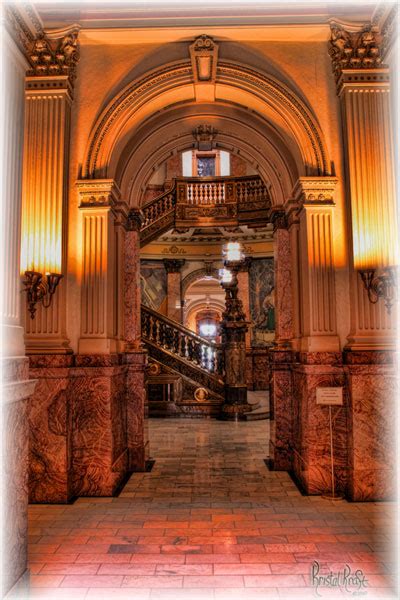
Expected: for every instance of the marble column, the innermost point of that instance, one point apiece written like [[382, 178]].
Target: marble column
[[280, 357], [102, 239], [283, 281], [174, 288], [136, 356]]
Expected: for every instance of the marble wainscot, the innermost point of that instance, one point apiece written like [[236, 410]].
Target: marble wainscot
[[16, 391], [84, 430], [311, 432], [373, 388], [281, 410]]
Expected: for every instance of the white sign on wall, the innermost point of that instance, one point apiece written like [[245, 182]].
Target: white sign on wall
[[330, 396]]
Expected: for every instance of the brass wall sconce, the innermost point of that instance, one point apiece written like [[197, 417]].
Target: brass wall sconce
[[382, 285], [38, 289]]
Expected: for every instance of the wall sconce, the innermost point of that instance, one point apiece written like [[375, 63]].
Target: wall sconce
[[39, 290], [383, 285]]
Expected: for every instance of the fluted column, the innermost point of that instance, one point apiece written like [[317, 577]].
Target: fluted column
[[365, 97], [102, 268], [174, 288], [13, 78], [47, 125], [315, 197]]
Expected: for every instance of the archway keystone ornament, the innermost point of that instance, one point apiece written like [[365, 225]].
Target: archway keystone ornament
[[204, 57]]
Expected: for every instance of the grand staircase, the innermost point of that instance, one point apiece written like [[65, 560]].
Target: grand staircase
[[186, 371], [185, 362]]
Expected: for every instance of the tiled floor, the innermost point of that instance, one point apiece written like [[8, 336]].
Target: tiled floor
[[208, 522]]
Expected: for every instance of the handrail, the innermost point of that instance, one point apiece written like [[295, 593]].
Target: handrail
[[182, 342]]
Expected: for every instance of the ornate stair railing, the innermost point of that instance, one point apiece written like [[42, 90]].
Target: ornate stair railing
[[203, 201], [176, 339]]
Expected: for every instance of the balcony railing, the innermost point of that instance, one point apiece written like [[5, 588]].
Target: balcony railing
[[203, 201]]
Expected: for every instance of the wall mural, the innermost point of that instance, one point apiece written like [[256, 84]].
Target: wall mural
[[153, 280], [262, 301]]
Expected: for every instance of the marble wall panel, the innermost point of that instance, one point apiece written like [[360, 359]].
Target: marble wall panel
[[262, 302], [16, 391], [371, 437], [311, 434], [258, 371], [15, 496], [153, 279], [49, 419], [99, 453], [137, 411], [281, 410]]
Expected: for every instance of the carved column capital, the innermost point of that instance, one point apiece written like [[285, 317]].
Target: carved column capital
[[50, 56], [279, 219], [315, 191], [358, 56], [173, 265]]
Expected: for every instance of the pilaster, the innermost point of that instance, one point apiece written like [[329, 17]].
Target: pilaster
[[48, 94], [363, 87], [315, 196], [102, 269]]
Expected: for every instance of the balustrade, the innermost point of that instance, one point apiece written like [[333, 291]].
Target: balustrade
[[181, 342]]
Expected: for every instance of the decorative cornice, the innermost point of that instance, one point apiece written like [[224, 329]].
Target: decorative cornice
[[50, 57], [23, 24], [355, 50], [315, 191]]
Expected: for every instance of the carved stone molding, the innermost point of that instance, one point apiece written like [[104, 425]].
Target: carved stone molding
[[23, 24], [354, 50], [99, 193], [204, 136], [315, 190], [204, 56], [105, 132], [173, 265]]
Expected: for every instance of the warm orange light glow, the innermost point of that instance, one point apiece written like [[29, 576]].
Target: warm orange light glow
[[375, 239], [40, 241]]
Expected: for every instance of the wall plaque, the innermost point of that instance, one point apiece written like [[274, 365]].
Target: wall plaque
[[330, 396]]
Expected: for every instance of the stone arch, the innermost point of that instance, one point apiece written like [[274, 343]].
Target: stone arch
[[173, 84], [195, 276]]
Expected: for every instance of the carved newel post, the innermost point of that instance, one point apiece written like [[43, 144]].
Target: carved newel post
[[233, 332]]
